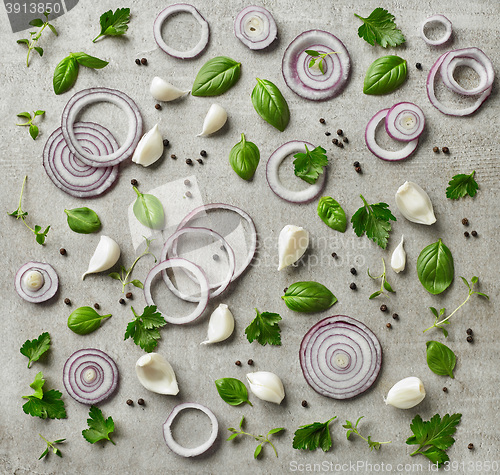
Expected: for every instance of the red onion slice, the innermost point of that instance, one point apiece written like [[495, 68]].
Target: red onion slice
[[436, 19], [311, 83], [255, 27], [380, 152], [179, 449], [90, 376], [272, 174], [340, 357], [405, 121], [47, 290], [181, 8], [101, 94]]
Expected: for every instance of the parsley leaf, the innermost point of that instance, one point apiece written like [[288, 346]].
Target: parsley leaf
[[114, 24], [380, 27], [264, 328], [312, 436], [44, 404], [309, 165], [461, 185], [144, 328], [374, 221], [99, 428], [33, 349]]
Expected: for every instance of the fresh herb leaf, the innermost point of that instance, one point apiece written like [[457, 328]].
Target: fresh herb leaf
[[99, 427], [44, 404], [244, 158], [216, 76], [380, 27], [308, 297], [148, 210], [353, 429], [32, 128], [264, 328], [32, 42], [144, 328], [384, 284], [114, 24], [385, 75], [88, 61], [312, 436], [83, 220], [461, 185], [309, 165], [85, 320], [34, 349], [232, 391], [270, 104], [51, 446], [440, 359], [332, 214], [435, 267], [315, 55]]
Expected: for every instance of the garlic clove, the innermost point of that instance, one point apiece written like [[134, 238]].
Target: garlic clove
[[163, 91], [398, 259], [414, 204], [406, 393], [156, 374], [149, 149], [292, 243], [220, 326], [266, 386], [216, 117], [105, 256]]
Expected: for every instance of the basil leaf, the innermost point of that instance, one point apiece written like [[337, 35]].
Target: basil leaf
[[308, 297], [244, 158], [332, 214], [232, 391], [85, 320], [89, 61], [435, 267], [83, 220], [385, 75], [65, 74], [148, 210], [216, 76], [440, 359], [270, 104]]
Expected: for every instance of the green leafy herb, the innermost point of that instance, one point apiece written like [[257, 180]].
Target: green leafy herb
[[374, 221], [434, 437], [32, 42], [264, 328], [44, 404], [148, 210], [332, 214], [244, 158], [312, 436], [435, 267], [270, 104], [308, 297], [380, 27], [216, 76], [99, 427], [440, 359], [33, 129], [83, 220], [384, 285], [385, 75], [144, 328], [114, 24], [318, 57], [85, 320], [34, 349], [309, 165], [461, 185], [232, 391], [51, 446], [353, 429]]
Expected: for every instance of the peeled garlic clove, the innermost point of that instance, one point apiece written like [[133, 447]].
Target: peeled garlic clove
[[105, 256], [398, 259], [156, 374], [220, 326], [406, 393], [149, 149], [164, 91], [415, 204], [266, 386], [214, 120], [292, 243]]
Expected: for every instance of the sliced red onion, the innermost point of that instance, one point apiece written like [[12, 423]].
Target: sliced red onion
[[199, 275], [48, 282], [101, 94], [179, 449], [311, 83], [436, 19], [272, 174], [181, 8], [380, 152], [90, 376], [255, 27], [340, 357], [405, 121], [69, 173]]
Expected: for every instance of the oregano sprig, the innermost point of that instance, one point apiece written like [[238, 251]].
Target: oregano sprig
[[353, 429], [32, 42], [316, 55], [33, 129], [51, 446], [384, 285]]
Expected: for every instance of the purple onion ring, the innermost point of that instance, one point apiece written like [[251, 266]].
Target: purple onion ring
[[255, 27], [46, 291]]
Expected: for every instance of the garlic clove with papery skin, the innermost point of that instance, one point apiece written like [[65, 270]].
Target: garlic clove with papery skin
[[414, 204], [266, 386], [163, 91], [398, 259], [105, 256], [406, 393], [220, 326], [292, 243], [156, 374], [214, 120], [149, 149]]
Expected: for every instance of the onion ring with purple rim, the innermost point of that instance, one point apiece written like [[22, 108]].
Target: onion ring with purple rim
[[255, 27], [437, 19], [48, 288], [405, 121]]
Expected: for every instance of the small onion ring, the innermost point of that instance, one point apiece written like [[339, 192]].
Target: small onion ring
[[179, 449], [260, 39], [46, 291], [394, 122], [181, 8], [437, 19], [340, 357]]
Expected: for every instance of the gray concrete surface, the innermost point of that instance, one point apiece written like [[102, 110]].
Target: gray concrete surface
[[474, 145]]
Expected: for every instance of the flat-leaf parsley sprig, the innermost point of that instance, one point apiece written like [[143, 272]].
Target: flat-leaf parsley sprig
[[380, 27], [32, 42], [114, 24]]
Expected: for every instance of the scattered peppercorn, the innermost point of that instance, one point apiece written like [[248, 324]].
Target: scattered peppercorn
[[345, 140], [138, 61], [445, 389], [352, 286], [389, 325], [250, 362], [322, 121], [122, 301], [334, 255], [470, 446], [328, 134], [173, 157], [200, 161], [466, 234], [129, 295], [383, 307], [238, 363], [215, 257], [134, 182], [435, 149], [203, 153], [341, 145], [358, 169], [395, 316], [140, 402], [130, 402], [335, 141], [144, 61], [470, 339], [158, 107], [445, 150], [285, 289], [340, 132], [474, 233], [187, 182], [353, 271], [97, 306], [188, 194], [304, 403], [166, 142], [465, 221], [62, 251], [189, 161], [418, 66], [67, 301], [469, 331]]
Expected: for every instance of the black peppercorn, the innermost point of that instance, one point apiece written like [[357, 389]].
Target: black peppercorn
[[356, 164], [389, 325], [134, 182], [67, 301], [445, 389], [383, 307], [97, 306], [203, 153], [358, 169], [340, 132], [345, 140], [395, 316], [328, 134], [130, 402], [335, 141], [187, 182], [166, 142], [465, 221], [62, 251], [122, 301], [334, 255], [250, 362], [144, 61], [138, 61], [418, 66], [173, 157], [322, 121], [445, 150], [352, 286], [215, 257], [158, 107], [200, 161], [474, 233], [238, 363], [285, 289], [470, 446], [469, 331], [188, 194], [466, 234], [341, 145], [129, 295], [435, 149], [189, 161], [304, 403], [353, 271], [470, 339], [140, 402]]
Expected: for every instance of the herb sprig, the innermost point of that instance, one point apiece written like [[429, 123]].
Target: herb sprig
[[384, 285], [34, 349], [32, 42], [316, 55], [99, 427], [462, 185], [44, 404], [380, 27], [309, 165], [33, 129], [312, 436], [51, 446], [232, 391], [353, 429], [114, 24], [264, 328], [144, 329]]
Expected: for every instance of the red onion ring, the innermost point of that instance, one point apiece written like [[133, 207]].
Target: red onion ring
[[181, 8], [101, 94], [198, 274], [264, 30], [70, 174], [179, 449], [46, 291], [310, 83], [272, 174], [340, 357], [405, 121], [437, 19], [90, 376], [380, 152]]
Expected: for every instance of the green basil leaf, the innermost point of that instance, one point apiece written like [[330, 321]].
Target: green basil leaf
[[232, 391], [332, 214], [85, 320], [440, 359], [216, 76], [385, 75], [148, 210], [244, 158], [83, 220], [308, 297], [65, 75], [89, 61], [270, 104], [435, 267]]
